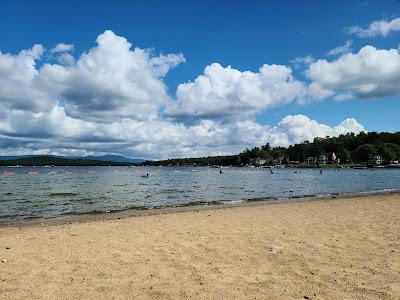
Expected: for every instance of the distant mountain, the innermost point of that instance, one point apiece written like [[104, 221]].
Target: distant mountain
[[13, 157], [61, 161], [112, 158]]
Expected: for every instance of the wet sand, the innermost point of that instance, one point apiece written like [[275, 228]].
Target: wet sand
[[347, 248]]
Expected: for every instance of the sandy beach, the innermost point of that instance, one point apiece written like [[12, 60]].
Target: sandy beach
[[345, 248]]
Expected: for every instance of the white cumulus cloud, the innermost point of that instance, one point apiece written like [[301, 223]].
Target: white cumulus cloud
[[300, 62], [112, 81], [54, 132], [299, 128], [20, 82], [369, 73], [227, 92], [61, 47], [376, 28]]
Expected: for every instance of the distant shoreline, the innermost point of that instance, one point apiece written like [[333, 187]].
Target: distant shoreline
[[38, 163]]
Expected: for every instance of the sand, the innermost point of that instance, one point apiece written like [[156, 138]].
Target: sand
[[327, 249]]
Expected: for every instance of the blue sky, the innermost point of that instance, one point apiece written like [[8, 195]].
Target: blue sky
[[244, 35]]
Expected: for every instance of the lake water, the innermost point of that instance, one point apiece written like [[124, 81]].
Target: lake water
[[60, 191]]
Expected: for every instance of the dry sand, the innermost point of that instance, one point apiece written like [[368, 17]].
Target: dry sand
[[327, 249]]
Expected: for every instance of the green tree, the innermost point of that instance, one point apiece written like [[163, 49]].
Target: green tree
[[363, 152], [389, 152]]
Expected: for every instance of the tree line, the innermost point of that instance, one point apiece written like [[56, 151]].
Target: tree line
[[349, 148]]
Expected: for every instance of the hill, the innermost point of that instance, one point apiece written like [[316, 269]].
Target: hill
[[57, 161], [106, 158], [114, 158]]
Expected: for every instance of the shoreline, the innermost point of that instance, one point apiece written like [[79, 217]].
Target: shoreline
[[342, 248], [190, 207]]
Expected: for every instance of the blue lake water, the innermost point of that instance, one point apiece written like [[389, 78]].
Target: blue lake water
[[60, 191]]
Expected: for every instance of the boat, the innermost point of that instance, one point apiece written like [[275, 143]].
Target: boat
[[280, 166], [393, 166]]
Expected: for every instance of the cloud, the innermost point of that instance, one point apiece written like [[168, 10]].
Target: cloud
[[54, 132], [65, 59], [369, 73], [299, 128], [111, 81], [226, 92], [20, 83], [61, 54], [341, 50], [343, 96], [300, 62], [376, 28], [61, 47]]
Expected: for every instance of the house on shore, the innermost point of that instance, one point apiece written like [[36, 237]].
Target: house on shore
[[374, 160], [258, 161], [311, 160], [323, 159]]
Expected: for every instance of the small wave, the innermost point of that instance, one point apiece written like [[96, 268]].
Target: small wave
[[256, 199], [86, 201], [65, 194], [172, 191], [31, 217], [303, 196], [387, 190], [233, 201], [194, 203]]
